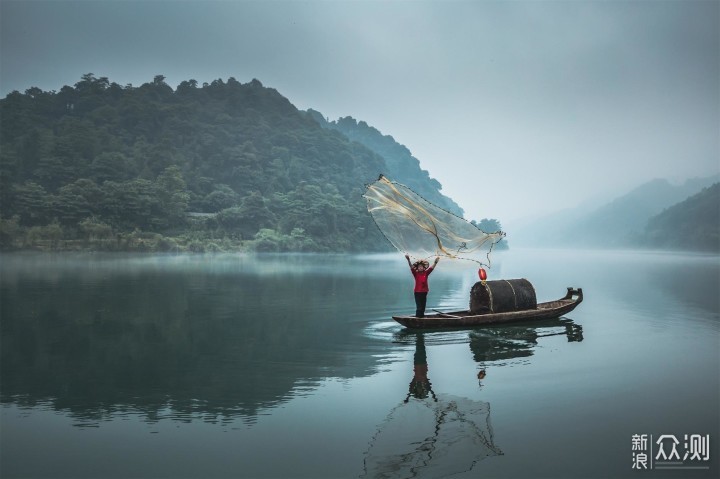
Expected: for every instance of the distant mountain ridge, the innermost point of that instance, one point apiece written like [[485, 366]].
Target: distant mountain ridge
[[619, 223], [691, 224], [401, 165]]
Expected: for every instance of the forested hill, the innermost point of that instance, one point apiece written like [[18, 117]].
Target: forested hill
[[692, 224], [619, 223], [217, 166], [401, 165]]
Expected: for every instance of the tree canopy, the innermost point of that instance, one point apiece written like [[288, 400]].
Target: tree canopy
[[218, 166]]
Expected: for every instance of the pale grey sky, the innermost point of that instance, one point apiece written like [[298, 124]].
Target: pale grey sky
[[516, 107]]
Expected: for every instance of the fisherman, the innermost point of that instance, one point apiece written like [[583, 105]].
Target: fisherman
[[421, 270]]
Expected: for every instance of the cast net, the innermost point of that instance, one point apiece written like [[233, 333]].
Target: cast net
[[421, 229]]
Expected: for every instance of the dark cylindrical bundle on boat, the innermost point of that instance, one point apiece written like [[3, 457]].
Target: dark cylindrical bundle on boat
[[502, 296]]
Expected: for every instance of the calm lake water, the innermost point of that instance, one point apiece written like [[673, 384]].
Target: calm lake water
[[290, 366]]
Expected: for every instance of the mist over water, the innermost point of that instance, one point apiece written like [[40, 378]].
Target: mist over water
[[290, 366]]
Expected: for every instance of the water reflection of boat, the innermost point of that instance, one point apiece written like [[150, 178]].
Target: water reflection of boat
[[429, 434], [465, 319], [518, 340], [499, 342]]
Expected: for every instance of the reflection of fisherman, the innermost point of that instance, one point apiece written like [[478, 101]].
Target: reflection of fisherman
[[420, 385], [440, 437], [421, 270]]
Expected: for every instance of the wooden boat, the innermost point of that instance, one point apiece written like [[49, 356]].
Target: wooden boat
[[463, 319]]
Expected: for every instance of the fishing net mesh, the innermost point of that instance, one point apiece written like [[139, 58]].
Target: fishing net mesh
[[421, 229]]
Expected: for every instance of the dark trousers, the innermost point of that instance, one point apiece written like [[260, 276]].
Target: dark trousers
[[420, 302]]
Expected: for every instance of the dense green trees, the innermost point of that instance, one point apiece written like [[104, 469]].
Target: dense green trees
[[99, 165], [222, 166]]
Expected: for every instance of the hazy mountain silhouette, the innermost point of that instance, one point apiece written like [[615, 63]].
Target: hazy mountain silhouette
[[691, 224], [619, 223], [402, 166]]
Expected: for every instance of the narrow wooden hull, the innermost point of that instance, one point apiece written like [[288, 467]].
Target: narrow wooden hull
[[463, 319]]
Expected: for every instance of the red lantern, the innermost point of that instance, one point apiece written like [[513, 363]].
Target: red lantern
[[482, 274]]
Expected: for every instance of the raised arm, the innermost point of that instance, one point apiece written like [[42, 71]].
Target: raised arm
[[407, 257]]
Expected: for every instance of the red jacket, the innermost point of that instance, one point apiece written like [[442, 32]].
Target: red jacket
[[421, 280]]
